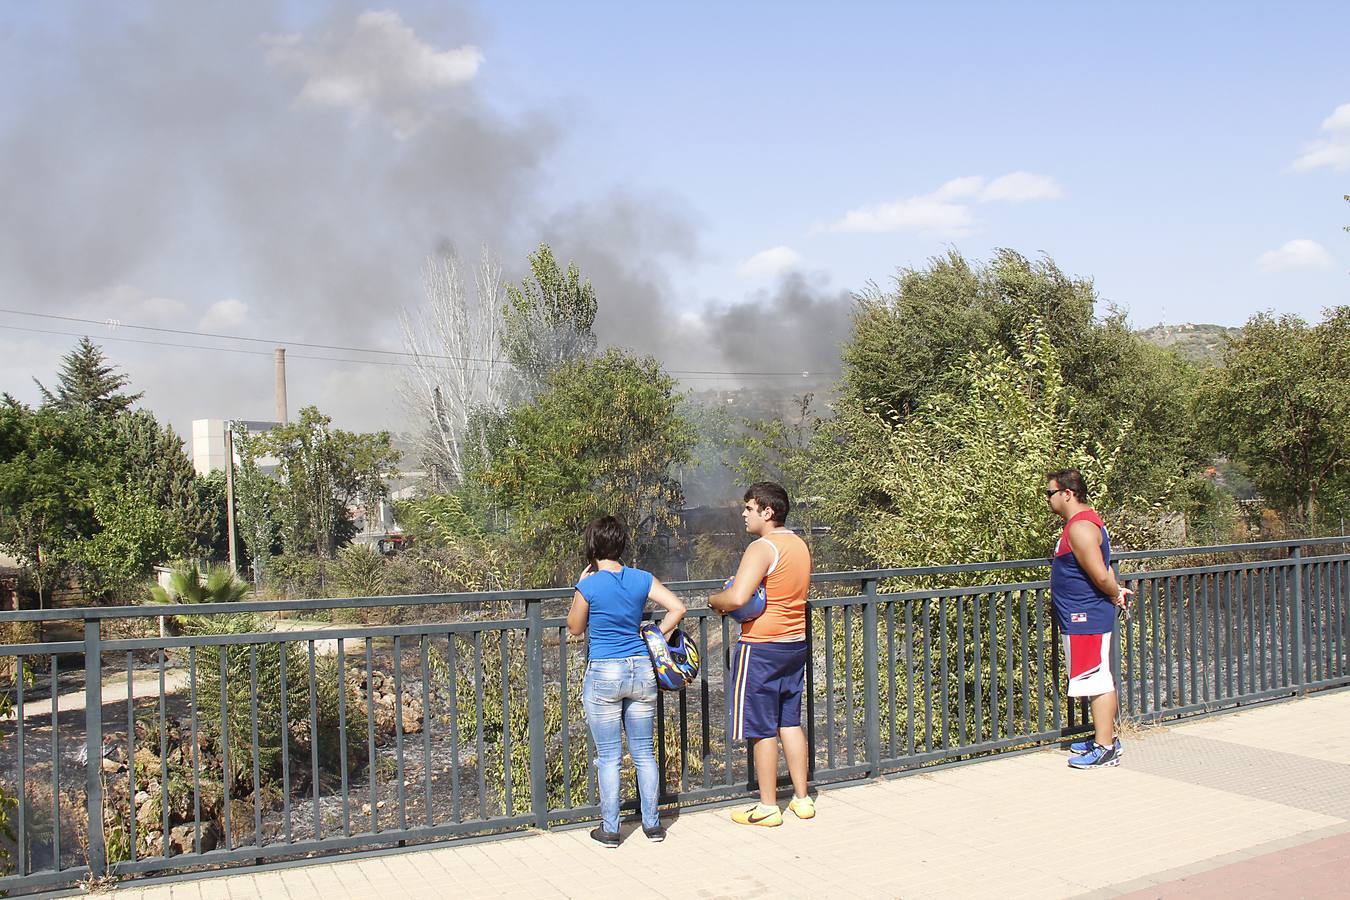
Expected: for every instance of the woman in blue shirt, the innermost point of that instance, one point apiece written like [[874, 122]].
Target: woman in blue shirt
[[619, 691]]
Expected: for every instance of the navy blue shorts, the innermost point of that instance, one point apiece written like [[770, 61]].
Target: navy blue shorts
[[766, 689]]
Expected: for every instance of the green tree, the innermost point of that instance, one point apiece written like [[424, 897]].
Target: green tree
[[548, 319], [152, 456], [1281, 406], [324, 473], [133, 534], [50, 466], [908, 343], [604, 436], [959, 480], [255, 503], [87, 382]]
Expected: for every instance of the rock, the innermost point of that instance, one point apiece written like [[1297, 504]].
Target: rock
[[147, 760], [112, 766], [142, 798], [182, 838]]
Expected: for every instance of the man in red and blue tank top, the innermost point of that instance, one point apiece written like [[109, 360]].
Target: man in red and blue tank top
[[1086, 598]]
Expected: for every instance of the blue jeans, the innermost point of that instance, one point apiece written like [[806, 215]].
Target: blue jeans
[[620, 694]]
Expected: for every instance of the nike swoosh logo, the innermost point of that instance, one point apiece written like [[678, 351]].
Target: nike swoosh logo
[[753, 821]]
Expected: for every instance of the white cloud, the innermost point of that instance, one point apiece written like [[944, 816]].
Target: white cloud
[[771, 262], [223, 315], [1021, 187], [1333, 151], [940, 212], [1300, 253], [381, 65], [127, 303]]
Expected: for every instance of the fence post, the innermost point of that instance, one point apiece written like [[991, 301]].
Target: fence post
[[534, 658], [1296, 616], [871, 693], [93, 730]]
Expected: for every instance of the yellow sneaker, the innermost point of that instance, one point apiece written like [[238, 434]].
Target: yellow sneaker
[[759, 814], [804, 807]]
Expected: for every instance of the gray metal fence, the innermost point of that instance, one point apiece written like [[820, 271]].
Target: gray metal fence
[[233, 742]]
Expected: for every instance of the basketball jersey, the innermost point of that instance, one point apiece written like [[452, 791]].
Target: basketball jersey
[[1080, 607], [785, 589]]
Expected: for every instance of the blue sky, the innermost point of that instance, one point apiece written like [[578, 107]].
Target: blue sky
[[1171, 129], [282, 171]]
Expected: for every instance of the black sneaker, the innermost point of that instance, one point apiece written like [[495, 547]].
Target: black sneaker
[[656, 834], [608, 839]]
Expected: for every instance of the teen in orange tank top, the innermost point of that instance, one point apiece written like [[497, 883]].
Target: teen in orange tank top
[[785, 590]]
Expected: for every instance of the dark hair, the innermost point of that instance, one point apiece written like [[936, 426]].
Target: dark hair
[[1070, 480], [770, 495], [605, 538]]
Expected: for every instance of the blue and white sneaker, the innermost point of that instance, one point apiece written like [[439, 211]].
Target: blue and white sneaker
[[1078, 748], [1098, 757]]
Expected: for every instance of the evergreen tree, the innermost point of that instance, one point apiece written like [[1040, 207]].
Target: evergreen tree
[[87, 382]]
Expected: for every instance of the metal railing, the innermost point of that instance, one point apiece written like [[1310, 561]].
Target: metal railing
[[236, 743]]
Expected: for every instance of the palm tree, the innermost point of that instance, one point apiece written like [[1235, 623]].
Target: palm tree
[[186, 586]]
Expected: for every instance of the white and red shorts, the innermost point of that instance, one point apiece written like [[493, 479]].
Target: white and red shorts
[[1089, 659]]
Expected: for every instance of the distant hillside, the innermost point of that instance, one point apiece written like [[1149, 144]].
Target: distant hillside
[[1199, 343]]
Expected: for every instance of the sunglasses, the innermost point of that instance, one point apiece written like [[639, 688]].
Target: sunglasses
[[1049, 494]]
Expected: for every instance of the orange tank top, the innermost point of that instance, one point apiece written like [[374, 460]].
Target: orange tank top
[[785, 589]]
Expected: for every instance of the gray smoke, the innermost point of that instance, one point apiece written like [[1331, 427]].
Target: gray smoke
[[221, 167]]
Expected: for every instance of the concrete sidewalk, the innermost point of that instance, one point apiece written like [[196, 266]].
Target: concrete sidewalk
[[1248, 803]]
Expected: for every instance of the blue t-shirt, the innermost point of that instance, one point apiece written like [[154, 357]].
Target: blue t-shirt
[[1080, 607], [617, 600]]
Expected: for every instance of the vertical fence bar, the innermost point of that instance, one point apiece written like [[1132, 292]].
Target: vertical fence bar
[[223, 661], [977, 620], [534, 658], [829, 688], [1008, 659], [21, 768], [927, 675], [508, 796], [944, 670], [342, 737], [705, 699], [961, 669], [452, 663], [196, 755], [850, 740], [909, 677], [132, 784], [164, 758], [56, 763], [891, 682], [285, 725], [257, 749], [402, 792], [871, 691], [478, 720], [993, 667], [1026, 664], [372, 760], [1040, 660], [424, 640], [1296, 617], [727, 765], [314, 742], [93, 729]]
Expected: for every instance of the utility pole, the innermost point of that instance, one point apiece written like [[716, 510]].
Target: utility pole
[[229, 494]]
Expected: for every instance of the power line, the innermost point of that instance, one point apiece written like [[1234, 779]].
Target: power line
[[706, 376], [117, 323]]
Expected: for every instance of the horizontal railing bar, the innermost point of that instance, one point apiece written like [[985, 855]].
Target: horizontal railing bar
[[1253, 566], [563, 593], [365, 839], [58, 649], [324, 634], [901, 763], [43, 878]]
